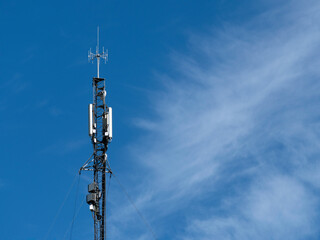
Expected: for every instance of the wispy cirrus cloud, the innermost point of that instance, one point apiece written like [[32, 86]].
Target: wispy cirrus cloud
[[274, 207], [234, 151]]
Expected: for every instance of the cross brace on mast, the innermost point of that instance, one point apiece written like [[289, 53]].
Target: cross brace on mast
[[100, 132]]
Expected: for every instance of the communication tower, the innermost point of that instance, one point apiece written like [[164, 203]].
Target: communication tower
[[100, 132]]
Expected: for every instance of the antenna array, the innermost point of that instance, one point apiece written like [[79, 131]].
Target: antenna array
[[97, 55]]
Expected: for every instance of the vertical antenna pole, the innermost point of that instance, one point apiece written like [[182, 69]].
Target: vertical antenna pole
[[98, 66], [97, 54], [98, 39]]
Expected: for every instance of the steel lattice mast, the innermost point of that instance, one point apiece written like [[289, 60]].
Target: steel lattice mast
[[100, 131]]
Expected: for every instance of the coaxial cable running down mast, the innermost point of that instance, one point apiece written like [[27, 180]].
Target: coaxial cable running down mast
[[100, 132]]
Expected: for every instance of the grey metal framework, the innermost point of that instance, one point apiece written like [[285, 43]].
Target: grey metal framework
[[100, 131]]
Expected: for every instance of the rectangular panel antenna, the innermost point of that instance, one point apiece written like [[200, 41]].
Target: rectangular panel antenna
[[110, 123], [90, 119]]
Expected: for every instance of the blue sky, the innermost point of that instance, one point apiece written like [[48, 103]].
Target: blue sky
[[216, 117]]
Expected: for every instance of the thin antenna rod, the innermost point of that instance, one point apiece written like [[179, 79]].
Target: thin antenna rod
[[98, 55], [98, 39]]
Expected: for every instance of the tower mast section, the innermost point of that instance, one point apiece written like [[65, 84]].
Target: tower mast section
[[100, 132]]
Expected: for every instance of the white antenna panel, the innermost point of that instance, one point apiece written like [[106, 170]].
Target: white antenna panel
[[90, 118], [110, 123]]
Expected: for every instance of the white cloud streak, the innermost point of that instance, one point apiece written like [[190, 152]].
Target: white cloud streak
[[235, 146]]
